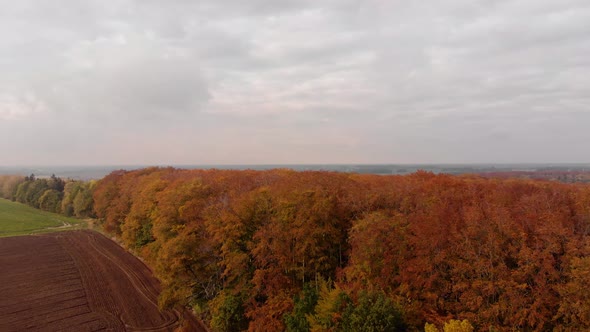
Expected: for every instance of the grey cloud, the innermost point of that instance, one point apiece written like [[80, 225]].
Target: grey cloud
[[328, 81], [135, 79]]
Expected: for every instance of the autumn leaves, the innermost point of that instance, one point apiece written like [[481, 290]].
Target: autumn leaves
[[245, 247]]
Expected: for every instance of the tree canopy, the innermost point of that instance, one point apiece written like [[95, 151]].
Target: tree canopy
[[257, 249]]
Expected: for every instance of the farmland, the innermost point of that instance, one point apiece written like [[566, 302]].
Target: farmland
[[20, 219], [76, 281]]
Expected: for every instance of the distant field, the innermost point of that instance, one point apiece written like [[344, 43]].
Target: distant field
[[20, 219]]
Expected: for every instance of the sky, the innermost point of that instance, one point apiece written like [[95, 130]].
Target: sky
[[170, 82]]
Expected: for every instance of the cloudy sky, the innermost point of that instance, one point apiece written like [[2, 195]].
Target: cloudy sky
[[295, 81]]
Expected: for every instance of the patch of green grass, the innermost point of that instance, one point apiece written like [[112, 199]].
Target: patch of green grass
[[20, 219]]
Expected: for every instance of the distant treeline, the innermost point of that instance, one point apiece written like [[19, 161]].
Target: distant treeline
[[322, 251], [566, 176], [53, 194]]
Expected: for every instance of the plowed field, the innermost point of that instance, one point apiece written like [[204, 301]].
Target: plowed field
[[79, 281]]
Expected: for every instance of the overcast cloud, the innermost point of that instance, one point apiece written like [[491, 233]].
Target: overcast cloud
[[267, 81]]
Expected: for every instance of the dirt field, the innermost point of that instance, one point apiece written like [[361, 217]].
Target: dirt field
[[79, 281]]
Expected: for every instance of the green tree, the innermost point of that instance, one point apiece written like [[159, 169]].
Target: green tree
[[71, 189], [304, 305], [228, 313], [34, 191], [21, 191], [56, 183], [83, 202], [373, 312], [328, 311], [50, 201]]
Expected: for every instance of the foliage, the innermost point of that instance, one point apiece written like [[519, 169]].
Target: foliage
[[53, 194], [574, 308], [331, 304], [452, 325], [50, 200], [430, 328], [9, 185], [403, 250], [304, 305], [372, 312], [228, 313], [457, 326]]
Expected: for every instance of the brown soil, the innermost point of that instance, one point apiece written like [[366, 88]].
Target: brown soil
[[79, 281]]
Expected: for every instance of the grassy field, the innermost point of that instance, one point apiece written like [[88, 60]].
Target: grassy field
[[20, 219]]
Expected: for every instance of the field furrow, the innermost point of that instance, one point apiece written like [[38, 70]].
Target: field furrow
[[79, 281]]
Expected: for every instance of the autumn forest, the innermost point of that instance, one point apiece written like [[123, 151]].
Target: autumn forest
[[325, 251]]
